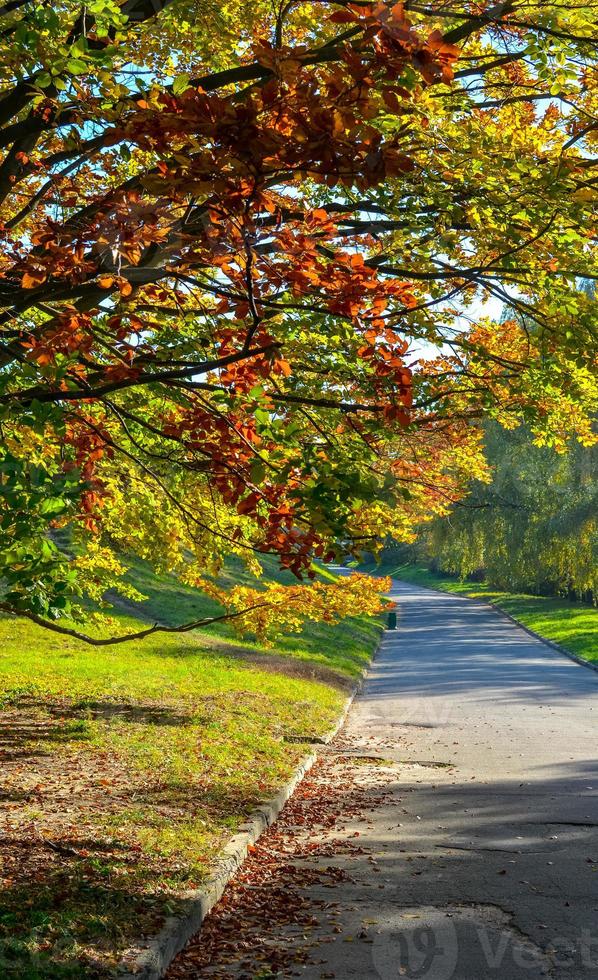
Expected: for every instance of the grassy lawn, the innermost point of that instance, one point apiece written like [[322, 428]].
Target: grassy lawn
[[125, 769], [572, 624]]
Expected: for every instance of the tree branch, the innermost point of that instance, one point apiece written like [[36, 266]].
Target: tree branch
[[141, 634]]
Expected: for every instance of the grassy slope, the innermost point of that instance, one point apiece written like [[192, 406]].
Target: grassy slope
[[573, 625], [127, 768]]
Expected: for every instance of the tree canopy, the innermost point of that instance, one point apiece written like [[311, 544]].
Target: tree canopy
[[533, 528], [247, 253]]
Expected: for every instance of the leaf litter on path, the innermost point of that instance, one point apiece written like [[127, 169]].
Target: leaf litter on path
[[268, 922]]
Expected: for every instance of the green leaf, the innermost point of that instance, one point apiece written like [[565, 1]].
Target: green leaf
[[53, 505], [180, 83], [76, 66]]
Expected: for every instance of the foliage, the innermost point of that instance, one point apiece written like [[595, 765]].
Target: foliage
[[533, 528], [226, 249], [285, 608]]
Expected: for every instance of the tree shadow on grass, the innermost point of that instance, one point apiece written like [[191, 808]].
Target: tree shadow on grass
[[107, 709], [72, 905], [35, 727], [34, 737], [75, 916], [278, 663], [81, 710]]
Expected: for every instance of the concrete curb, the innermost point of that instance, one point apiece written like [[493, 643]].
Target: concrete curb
[[152, 961], [517, 622], [158, 953], [548, 643]]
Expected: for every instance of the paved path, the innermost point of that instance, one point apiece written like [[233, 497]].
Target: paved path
[[482, 860]]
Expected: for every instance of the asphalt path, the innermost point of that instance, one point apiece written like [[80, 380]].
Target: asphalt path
[[512, 808]]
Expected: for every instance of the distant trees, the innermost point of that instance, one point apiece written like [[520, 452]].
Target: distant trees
[[534, 527]]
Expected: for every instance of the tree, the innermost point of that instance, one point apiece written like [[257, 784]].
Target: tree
[[533, 528], [222, 247]]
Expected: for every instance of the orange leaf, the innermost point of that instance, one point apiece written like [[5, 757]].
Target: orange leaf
[[342, 17], [32, 279]]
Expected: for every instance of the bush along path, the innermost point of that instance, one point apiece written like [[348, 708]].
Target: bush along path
[[125, 771], [450, 830]]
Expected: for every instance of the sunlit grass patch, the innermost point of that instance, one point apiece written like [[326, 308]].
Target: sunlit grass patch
[[126, 769]]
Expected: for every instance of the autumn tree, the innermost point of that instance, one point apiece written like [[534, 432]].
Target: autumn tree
[[246, 250]]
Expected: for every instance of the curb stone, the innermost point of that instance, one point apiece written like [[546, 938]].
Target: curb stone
[[157, 953], [549, 643], [517, 622]]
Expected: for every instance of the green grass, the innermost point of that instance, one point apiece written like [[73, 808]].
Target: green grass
[[573, 625], [127, 768]]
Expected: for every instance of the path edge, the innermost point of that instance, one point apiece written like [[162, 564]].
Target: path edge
[[549, 643], [158, 952]]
